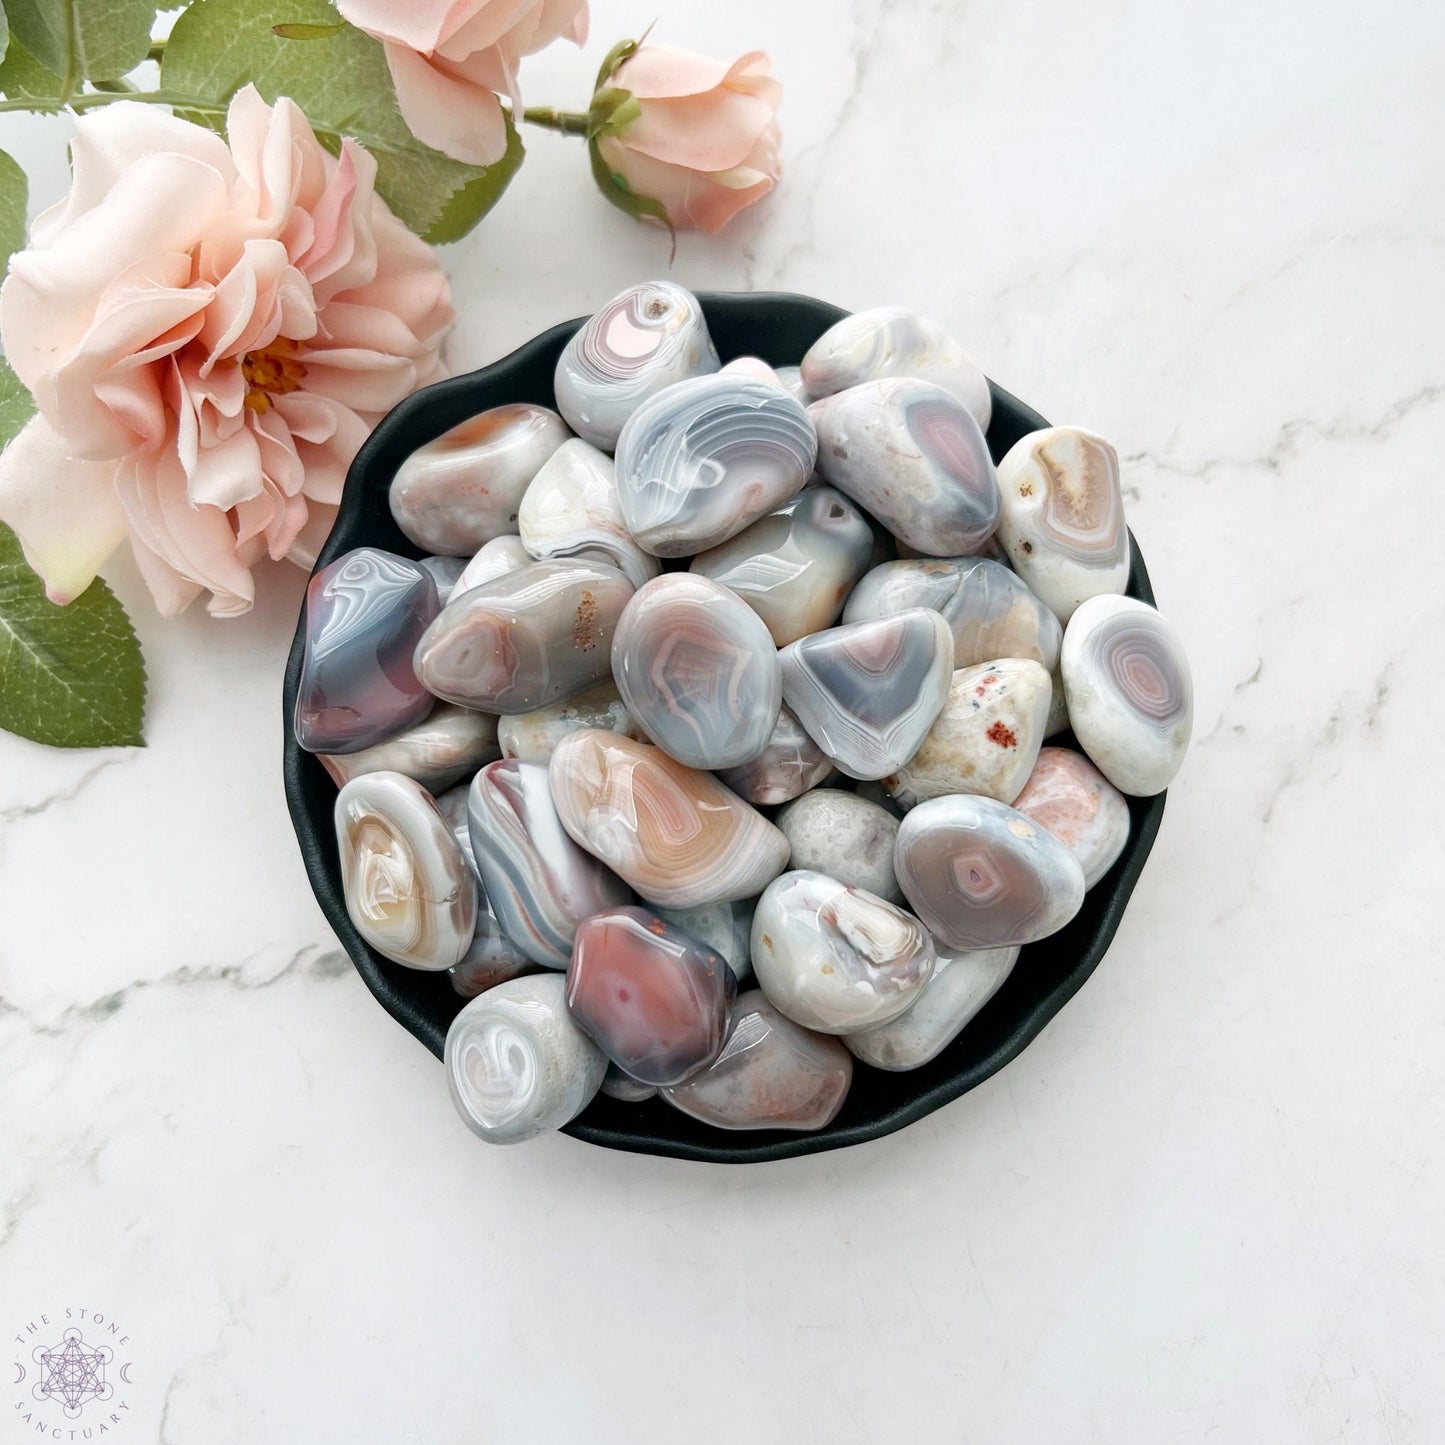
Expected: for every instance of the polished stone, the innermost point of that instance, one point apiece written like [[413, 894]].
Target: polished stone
[[789, 764], [844, 836], [449, 743], [1070, 797], [726, 928], [493, 559], [532, 736]]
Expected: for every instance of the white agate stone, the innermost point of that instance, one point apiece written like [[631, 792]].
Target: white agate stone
[[834, 958], [1070, 797], [1131, 697], [1058, 705], [754, 367], [844, 836], [987, 738], [962, 983], [533, 736], [647, 337], [894, 341], [449, 743], [1063, 516], [494, 559], [517, 1066], [572, 509], [790, 378]]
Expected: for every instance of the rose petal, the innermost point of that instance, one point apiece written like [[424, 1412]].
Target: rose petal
[[445, 111]]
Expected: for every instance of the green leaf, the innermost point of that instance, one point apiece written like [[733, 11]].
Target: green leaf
[[23, 77], [340, 79], [16, 407], [71, 676], [12, 208], [84, 39], [4, 33]]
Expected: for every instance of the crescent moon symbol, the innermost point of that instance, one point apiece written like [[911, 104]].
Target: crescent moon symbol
[[19, 1372], [123, 1374]]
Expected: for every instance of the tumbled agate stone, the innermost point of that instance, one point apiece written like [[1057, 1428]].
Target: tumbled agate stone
[[913, 456], [753, 367], [991, 611], [1058, 704], [532, 736], [446, 572], [464, 488], [795, 566], [790, 378], [847, 837], [541, 884], [868, 692], [835, 958], [517, 1064], [726, 928], [1131, 696], [1070, 797], [678, 836], [655, 1000], [700, 461], [962, 983], [698, 671], [365, 613], [572, 509], [1063, 516], [526, 639], [987, 738], [449, 743], [493, 559], [644, 339], [771, 1074], [790, 763], [893, 341], [981, 875], [617, 1085], [407, 887]]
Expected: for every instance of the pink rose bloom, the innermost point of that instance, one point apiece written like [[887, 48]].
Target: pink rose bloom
[[210, 331], [450, 59], [706, 142]]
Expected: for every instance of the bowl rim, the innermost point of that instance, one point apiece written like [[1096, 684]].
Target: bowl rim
[[429, 412]]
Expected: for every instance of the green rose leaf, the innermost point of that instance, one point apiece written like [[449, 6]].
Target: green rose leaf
[[4, 33], [71, 677], [83, 39], [16, 408], [23, 77], [13, 192], [339, 77]]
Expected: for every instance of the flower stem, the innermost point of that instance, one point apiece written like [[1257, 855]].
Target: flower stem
[[569, 122], [80, 103]]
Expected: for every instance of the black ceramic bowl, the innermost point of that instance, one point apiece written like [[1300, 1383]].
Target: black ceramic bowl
[[779, 328]]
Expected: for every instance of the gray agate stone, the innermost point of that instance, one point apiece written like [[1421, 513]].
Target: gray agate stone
[[726, 928], [526, 639], [365, 614], [533, 736], [647, 337], [701, 460], [893, 341], [788, 765], [698, 671], [493, 559], [981, 875], [541, 884], [464, 488], [844, 836], [990, 609], [795, 566], [911, 454], [446, 572], [449, 743], [868, 692]]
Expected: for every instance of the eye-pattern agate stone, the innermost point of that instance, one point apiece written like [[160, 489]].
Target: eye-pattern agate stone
[[987, 738], [517, 1065], [1063, 516], [834, 958], [795, 566], [449, 743], [893, 341], [407, 887], [494, 559], [912, 455], [572, 509], [655, 1000], [527, 639], [990, 609], [726, 928], [700, 461], [676, 835], [539, 882], [981, 875], [1070, 797], [868, 692], [532, 736], [464, 488], [771, 1074], [647, 337], [1131, 696], [365, 613], [844, 836], [698, 671], [788, 765], [962, 983]]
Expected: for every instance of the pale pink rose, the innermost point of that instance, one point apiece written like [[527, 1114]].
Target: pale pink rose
[[450, 59], [706, 142], [210, 331]]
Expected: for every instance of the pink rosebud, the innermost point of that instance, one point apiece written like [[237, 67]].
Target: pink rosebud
[[697, 136]]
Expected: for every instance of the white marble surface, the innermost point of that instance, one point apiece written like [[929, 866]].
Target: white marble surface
[[1206, 1203]]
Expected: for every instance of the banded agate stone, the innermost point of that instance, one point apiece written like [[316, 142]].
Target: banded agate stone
[[532, 736], [449, 743], [789, 764], [1070, 797]]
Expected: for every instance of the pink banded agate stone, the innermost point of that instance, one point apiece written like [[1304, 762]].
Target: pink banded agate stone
[[654, 999], [1070, 797]]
